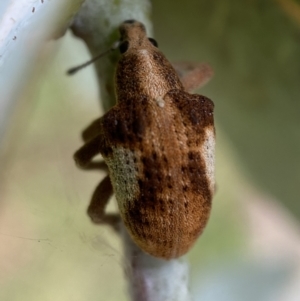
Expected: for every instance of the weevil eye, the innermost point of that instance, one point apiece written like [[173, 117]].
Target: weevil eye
[[124, 46], [153, 42]]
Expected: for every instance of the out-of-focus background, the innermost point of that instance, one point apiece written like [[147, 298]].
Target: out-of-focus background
[[250, 250]]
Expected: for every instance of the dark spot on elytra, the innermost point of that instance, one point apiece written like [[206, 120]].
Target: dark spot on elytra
[[147, 175], [194, 157], [126, 125], [195, 118], [140, 183], [196, 110], [118, 129], [150, 190], [130, 138], [191, 155], [192, 169], [138, 126], [197, 176]]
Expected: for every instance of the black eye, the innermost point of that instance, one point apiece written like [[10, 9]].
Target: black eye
[[153, 42], [124, 46]]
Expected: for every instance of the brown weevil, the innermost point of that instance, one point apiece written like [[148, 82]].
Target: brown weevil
[[158, 144]]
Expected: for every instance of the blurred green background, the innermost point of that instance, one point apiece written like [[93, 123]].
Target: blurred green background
[[250, 250]]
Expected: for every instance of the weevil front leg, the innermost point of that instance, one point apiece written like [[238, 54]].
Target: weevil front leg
[[100, 198], [104, 190], [91, 132], [88, 151], [193, 75]]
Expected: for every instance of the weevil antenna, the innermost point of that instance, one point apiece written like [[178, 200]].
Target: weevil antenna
[[73, 70]]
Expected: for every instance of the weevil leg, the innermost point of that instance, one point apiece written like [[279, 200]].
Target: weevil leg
[[92, 130], [103, 192], [193, 75], [100, 198], [89, 150], [96, 165]]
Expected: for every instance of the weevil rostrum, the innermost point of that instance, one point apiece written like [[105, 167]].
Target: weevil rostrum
[[158, 144]]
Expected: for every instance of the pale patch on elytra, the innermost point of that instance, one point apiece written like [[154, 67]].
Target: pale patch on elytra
[[123, 175], [208, 155]]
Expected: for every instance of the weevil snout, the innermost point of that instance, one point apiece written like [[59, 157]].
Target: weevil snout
[[133, 34], [131, 30], [130, 21]]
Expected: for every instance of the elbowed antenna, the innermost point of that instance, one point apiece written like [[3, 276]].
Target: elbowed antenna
[[73, 70]]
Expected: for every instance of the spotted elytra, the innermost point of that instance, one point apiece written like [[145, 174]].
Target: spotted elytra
[[158, 144]]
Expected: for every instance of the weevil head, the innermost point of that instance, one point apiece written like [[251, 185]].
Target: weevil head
[[142, 69], [134, 36]]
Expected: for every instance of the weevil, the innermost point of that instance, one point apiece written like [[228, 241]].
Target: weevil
[[158, 143]]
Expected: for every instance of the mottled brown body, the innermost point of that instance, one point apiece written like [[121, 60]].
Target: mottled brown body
[[158, 144]]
